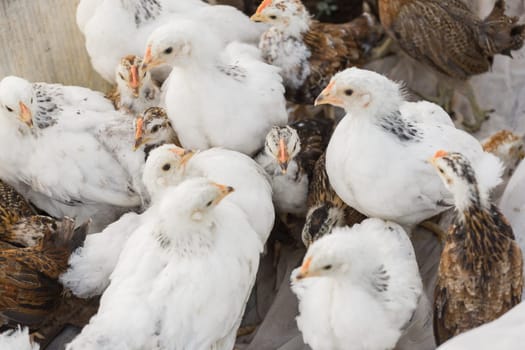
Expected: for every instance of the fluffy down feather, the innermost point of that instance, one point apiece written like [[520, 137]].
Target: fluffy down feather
[[356, 283], [253, 193], [233, 97], [67, 129], [182, 279], [376, 138], [17, 339], [117, 28]]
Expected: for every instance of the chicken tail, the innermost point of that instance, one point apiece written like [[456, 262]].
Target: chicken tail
[[499, 33]]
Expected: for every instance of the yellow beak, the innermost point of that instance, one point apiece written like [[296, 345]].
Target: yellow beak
[[149, 61], [327, 97], [25, 114], [184, 154], [304, 272], [259, 17], [223, 192]]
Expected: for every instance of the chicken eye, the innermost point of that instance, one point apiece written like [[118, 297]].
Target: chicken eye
[[209, 203], [155, 129], [349, 92], [273, 17], [166, 167], [168, 50], [8, 109], [327, 267], [121, 76], [31, 100], [441, 170]]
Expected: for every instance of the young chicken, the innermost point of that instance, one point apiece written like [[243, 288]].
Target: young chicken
[[289, 157], [480, 274], [358, 288], [215, 96], [153, 129], [377, 157], [447, 36], [136, 89], [183, 278], [310, 52]]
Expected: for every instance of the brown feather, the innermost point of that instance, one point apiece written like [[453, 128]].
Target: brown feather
[[29, 287], [480, 273], [333, 48], [448, 37]]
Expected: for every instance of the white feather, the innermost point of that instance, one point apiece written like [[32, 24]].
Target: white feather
[[188, 292], [343, 306], [112, 33], [17, 339], [381, 174], [218, 98], [504, 333]]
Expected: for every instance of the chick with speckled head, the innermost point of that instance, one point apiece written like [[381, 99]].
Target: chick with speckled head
[[136, 89], [480, 274]]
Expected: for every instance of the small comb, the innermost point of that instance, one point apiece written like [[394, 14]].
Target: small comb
[[440, 154], [263, 5]]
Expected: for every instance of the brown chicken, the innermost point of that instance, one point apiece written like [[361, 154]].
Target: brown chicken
[[20, 226], [480, 273], [447, 36], [29, 287], [326, 209], [310, 52]]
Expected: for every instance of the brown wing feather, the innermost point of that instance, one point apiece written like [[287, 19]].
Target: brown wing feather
[[333, 48], [450, 47], [314, 135], [480, 274], [448, 37], [29, 287], [26, 295]]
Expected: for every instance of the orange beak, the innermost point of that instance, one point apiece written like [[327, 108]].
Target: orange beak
[[184, 154], [134, 83], [223, 192], [25, 114], [139, 133], [283, 156], [304, 272], [327, 96]]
